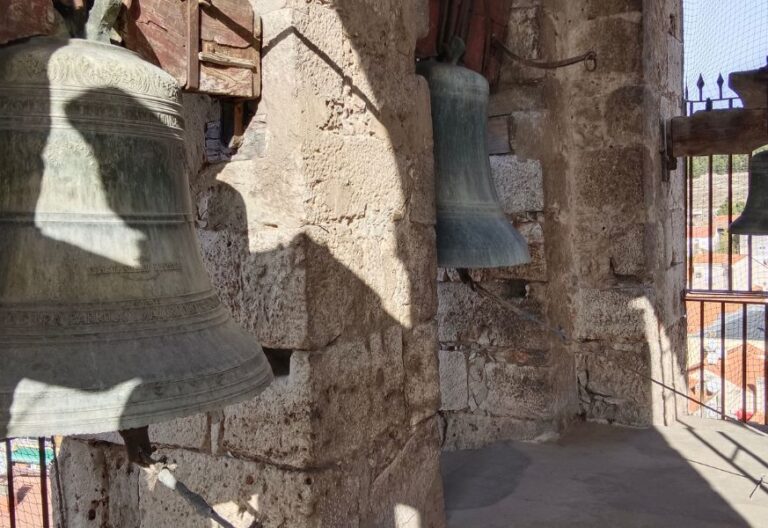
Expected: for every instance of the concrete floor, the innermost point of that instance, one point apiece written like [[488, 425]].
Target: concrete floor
[[698, 473]]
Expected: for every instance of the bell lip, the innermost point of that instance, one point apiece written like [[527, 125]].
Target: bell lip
[[754, 228], [222, 376], [84, 422], [479, 241]]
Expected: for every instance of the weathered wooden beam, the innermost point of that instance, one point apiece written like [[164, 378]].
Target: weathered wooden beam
[[25, 18], [193, 45], [209, 46], [731, 131]]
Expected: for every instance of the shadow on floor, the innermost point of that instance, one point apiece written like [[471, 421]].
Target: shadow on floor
[[702, 473]]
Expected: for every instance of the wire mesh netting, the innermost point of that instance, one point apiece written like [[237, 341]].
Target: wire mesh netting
[[723, 36], [25, 487], [727, 274]]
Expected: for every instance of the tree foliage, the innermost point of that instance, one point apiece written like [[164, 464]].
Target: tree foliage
[[720, 163], [738, 207]]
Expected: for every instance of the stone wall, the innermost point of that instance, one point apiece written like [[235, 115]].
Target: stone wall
[[320, 238], [583, 181]]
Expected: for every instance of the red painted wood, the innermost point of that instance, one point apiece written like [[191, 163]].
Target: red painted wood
[[157, 30], [25, 18], [488, 18]]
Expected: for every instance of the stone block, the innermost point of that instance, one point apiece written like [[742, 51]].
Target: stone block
[[358, 399], [528, 133], [422, 391], [515, 97], [627, 252], [611, 314], [245, 493], [624, 114], [535, 270], [99, 485], [453, 380], [466, 317], [512, 390], [609, 182], [275, 426], [603, 8], [617, 41], [472, 430], [612, 386], [408, 493], [525, 41], [417, 252], [519, 183], [191, 431], [197, 110], [674, 84]]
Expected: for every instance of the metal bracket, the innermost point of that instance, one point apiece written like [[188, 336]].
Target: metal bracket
[[668, 160]]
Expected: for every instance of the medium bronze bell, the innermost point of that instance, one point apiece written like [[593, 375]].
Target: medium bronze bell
[[754, 219], [472, 231], [108, 319]]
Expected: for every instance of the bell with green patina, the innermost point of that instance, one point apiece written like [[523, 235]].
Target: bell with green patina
[[754, 218], [472, 231], [108, 320]]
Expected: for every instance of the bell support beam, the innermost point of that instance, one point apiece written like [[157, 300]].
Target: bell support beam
[[728, 131], [732, 131]]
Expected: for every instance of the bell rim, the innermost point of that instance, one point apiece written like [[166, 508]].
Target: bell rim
[[95, 421]]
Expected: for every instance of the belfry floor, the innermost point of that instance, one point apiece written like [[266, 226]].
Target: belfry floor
[[700, 472]]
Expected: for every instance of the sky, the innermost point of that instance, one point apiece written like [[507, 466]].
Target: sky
[[722, 36]]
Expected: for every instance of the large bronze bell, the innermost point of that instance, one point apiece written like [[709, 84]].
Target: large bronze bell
[[754, 218], [108, 319], [472, 231]]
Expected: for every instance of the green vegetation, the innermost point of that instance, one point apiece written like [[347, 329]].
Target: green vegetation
[[719, 164], [738, 207]]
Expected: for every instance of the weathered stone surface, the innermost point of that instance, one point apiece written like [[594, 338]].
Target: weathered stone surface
[[242, 492], [524, 40], [453, 380], [617, 41], [276, 426], [627, 252], [519, 183], [191, 431], [100, 486], [408, 493], [521, 392], [516, 98], [610, 182], [613, 386], [610, 314], [473, 431], [603, 8], [358, 399], [490, 324], [624, 113], [422, 393]]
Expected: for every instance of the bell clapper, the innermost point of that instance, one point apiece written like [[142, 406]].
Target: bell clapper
[[139, 452]]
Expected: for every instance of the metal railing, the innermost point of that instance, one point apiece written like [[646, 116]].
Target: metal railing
[[25, 483], [727, 284]]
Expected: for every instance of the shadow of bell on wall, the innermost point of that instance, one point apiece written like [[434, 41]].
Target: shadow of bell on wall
[[108, 320]]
